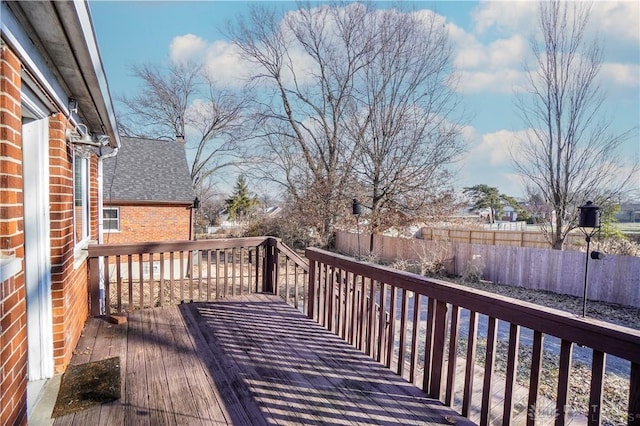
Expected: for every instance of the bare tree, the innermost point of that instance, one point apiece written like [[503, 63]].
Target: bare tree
[[302, 112], [184, 102], [571, 153], [329, 116], [405, 129]]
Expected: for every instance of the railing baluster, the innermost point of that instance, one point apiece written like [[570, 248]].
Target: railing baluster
[[208, 254], [564, 367], [353, 308], [471, 362], [118, 282], [130, 283], [233, 271], [512, 368], [171, 276], [362, 323], [295, 285], [439, 337], [141, 277], [251, 258], [161, 289], [242, 271], [403, 333], [534, 378], [190, 268], [415, 328], [372, 317], [152, 278], [340, 300], [391, 334], [453, 355], [634, 396], [200, 254], [597, 385], [382, 321], [328, 294], [181, 276], [428, 343], [107, 286], [489, 364], [226, 273], [286, 279]]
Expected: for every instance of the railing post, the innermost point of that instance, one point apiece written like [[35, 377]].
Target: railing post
[[94, 286], [268, 284], [311, 288]]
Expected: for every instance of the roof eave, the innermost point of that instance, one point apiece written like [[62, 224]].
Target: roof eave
[[66, 34]]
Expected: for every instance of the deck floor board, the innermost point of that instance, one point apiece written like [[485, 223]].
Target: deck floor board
[[244, 360]]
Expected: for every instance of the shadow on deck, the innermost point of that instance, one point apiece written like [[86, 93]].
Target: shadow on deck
[[245, 360]]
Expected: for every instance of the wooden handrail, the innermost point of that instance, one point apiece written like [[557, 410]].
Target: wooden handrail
[[192, 270], [344, 294]]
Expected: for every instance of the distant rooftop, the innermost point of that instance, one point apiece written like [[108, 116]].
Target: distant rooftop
[[148, 170]]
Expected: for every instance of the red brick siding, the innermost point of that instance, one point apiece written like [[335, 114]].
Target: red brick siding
[[13, 318], [150, 223], [69, 286]]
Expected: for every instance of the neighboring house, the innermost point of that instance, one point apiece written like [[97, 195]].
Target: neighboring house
[[56, 126], [148, 192], [629, 212]]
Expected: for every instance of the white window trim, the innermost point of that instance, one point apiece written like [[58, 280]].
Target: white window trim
[[104, 220], [80, 248]]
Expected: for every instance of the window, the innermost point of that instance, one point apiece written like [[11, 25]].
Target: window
[[81, 198], [111, 219]]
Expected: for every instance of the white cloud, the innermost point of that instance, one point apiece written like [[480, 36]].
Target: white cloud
[[504, 81], [225, 65], [624, 75], [618, 19], [186, 48], [507, 17]]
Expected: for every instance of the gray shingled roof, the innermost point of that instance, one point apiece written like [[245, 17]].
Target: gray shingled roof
[[148, 170]]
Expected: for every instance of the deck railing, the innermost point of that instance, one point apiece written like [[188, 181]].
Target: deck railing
[[124, 277], [427, 323], [424, 329]]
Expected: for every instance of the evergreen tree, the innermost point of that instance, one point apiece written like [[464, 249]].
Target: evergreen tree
[[241, 202]]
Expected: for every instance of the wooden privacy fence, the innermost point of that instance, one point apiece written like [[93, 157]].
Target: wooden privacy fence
[[498, 237], [124, 277], [418, 326], [614, 279]]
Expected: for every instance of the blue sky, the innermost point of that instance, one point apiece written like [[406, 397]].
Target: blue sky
[[490, 41]]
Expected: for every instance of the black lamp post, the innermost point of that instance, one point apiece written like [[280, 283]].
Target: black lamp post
[[356, 209], [589, 224]]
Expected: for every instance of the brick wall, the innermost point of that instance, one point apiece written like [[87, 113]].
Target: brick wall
[[150, 223], [69, 290], [13, 318], [69, 281]]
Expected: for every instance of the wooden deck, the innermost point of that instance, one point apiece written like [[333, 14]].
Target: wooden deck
[[249, 360]]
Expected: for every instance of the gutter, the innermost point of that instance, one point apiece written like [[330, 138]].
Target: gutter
[[100, 179]]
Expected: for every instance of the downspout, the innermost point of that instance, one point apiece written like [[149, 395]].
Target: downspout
[[101, 219]]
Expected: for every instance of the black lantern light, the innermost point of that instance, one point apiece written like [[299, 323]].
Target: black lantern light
[[589, 224]]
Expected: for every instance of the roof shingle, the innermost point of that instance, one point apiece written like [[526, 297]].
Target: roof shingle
[[148, 170]]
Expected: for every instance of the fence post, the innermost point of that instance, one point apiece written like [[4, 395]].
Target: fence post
[[94, 286], [269, 259]]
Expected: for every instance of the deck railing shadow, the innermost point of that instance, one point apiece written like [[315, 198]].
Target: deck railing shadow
[[414, 325]]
